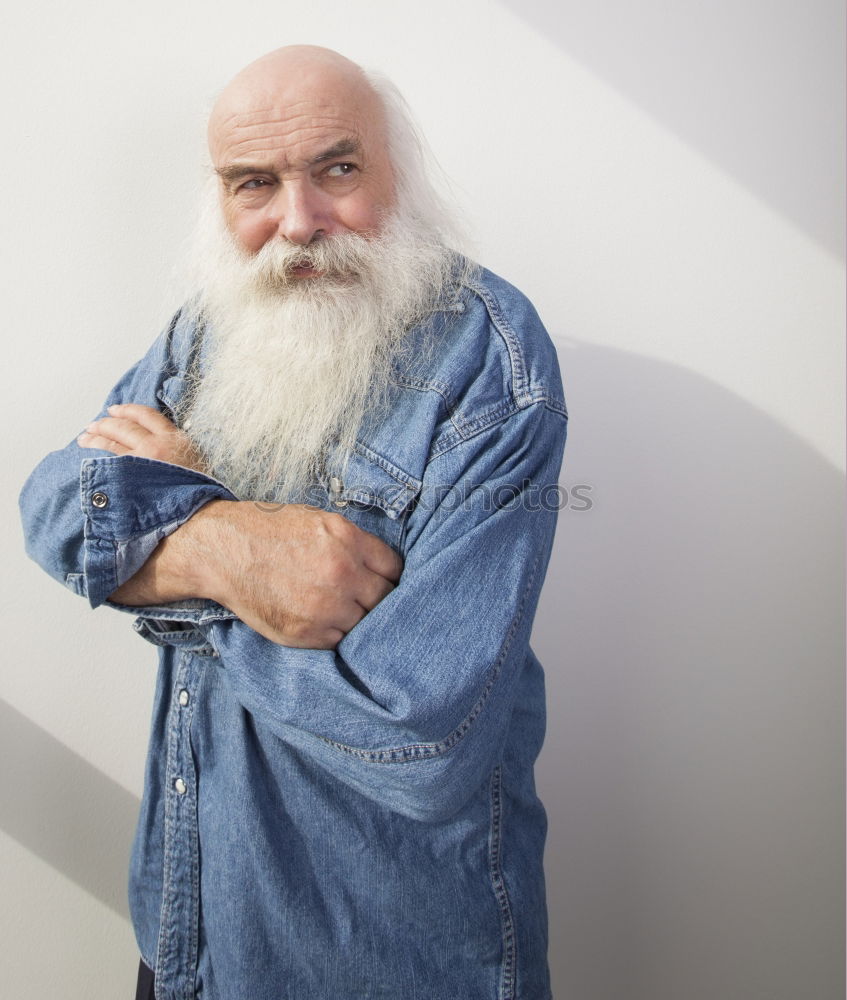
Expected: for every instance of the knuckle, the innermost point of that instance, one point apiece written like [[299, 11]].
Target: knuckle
[[337, 570], [343, 528]]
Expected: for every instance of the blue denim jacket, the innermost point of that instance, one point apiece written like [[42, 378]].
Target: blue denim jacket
[[359, 822]]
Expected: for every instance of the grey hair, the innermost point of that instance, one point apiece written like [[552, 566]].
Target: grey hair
[[423, 191]]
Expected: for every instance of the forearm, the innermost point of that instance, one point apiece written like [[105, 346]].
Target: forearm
[[301, 577], [182, 566]]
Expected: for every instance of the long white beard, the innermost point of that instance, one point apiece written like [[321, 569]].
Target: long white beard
[[292, 365]]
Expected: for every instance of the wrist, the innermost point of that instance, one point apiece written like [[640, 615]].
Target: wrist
[[196, 549]]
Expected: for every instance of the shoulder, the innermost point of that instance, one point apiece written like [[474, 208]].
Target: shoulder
[[504, 314], [491, 355]]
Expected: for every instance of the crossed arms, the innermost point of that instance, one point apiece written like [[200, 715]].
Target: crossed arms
[[416, 672], [302, 578]]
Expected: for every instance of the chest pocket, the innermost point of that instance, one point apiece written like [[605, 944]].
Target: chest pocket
[[374, 494]]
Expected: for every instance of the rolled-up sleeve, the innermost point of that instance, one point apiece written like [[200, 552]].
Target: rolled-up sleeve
[[129, 505]]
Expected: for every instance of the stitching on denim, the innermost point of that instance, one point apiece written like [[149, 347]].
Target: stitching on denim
[[489, 418], [557, 406], [428, 751], [165, 943], [520, 376], [434, 385], [423, 385], [361, 493], [452, 442], [193, 837], [168, 953], [100, 566], [393, 470], [509, 336], [84, 479], [498, 884]]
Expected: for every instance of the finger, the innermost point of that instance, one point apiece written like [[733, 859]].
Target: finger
[[381, 558], [86, 440], [327, 639], [125, 432], [372, 589], [148, 417], [347, 617]]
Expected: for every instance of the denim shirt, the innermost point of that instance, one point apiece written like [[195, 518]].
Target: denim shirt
[[359, 822]]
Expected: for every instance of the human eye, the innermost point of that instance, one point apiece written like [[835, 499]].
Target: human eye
[[341, 169], [253, 184]]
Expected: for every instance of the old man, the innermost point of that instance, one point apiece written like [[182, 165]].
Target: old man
[[327, 493]]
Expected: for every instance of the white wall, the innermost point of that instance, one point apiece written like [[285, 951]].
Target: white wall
[[664, 181]]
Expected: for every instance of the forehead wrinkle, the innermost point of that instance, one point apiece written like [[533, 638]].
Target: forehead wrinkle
[[279, 111], [268, 141], [288, 128], [274, 112]]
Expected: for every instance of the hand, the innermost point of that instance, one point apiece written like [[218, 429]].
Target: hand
[[299, 576], [132, 429]]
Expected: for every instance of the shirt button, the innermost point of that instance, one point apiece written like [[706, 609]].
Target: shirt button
[[183, 697], [180, 786], [99, 500], [336, 486]]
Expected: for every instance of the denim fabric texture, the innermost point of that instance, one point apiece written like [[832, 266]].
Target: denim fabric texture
[[356, 823]]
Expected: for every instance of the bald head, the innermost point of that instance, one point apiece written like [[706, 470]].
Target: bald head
[[299, 141], [288, 76]]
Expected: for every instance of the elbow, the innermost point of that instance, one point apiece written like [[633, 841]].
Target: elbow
[[53, 529], [431, 790]]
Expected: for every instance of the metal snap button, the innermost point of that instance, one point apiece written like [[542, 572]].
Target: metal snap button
[[336, 486], [183, 697], [99, 500], [180, 786]]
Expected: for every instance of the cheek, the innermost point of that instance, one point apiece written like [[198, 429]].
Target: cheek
[[250, 229], [360, 217], [366, 209]]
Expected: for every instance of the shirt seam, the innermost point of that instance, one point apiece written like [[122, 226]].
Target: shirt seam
[[507, 334], [495, 415], [508, 968], [414, 752]]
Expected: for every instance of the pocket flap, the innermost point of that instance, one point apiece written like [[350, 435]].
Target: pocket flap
[[373, 481]]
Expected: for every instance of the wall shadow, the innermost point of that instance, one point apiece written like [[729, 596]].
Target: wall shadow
[[692, 632], [691, 628], [60, 807], [756, 87]]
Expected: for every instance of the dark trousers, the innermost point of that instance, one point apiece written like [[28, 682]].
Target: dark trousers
[[144, 990]]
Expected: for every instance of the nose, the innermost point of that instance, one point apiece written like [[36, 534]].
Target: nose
[[301, 216]]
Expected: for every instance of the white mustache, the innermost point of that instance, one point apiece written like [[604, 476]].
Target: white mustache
[[346, 256]]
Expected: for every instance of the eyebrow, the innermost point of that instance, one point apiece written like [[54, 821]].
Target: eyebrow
[[344, 147]]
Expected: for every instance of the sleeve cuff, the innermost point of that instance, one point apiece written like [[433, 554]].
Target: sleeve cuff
[[130, 504]]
